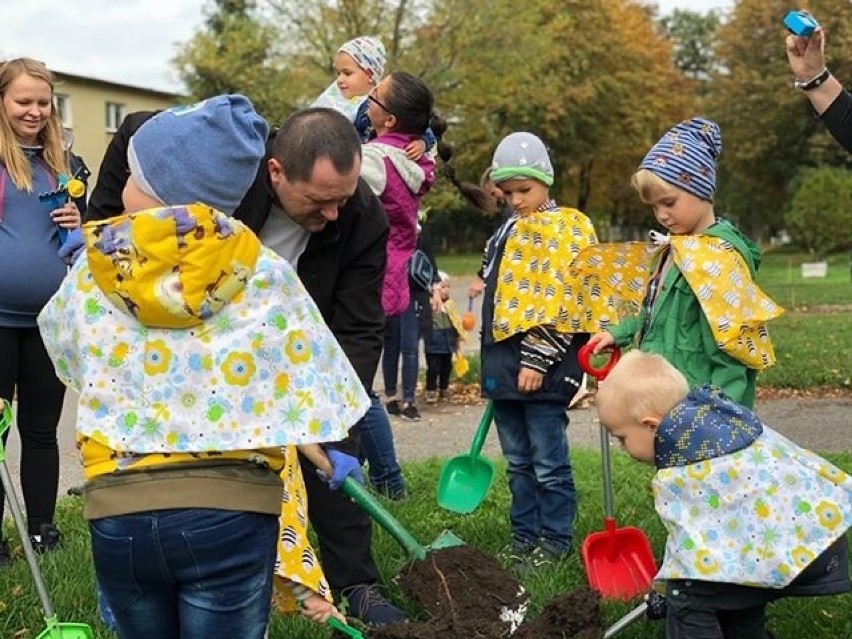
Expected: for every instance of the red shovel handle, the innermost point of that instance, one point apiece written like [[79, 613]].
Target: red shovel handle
[[585, 357]]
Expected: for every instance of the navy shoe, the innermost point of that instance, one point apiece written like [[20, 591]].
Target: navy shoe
[[366, 602], [48, 538]]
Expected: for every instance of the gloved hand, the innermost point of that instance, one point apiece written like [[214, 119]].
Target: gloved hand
[[72, 246], [343, 466]]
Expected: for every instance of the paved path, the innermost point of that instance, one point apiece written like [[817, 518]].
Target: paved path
[[447, 429]]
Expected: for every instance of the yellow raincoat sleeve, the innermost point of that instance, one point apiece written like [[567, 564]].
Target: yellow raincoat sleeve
[[296, 562]]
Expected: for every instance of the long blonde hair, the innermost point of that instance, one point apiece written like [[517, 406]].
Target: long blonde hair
[[50, 137]]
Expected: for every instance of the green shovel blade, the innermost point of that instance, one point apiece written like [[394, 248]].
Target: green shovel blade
[[65, 630]]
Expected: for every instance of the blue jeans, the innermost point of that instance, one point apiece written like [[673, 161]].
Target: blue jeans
[[187, 573], [535, 444], [402, 337], [378, 449]]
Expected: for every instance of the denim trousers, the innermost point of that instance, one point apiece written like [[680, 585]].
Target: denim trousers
[[402, 338], [188, 573], [534, 442], [378, 449]]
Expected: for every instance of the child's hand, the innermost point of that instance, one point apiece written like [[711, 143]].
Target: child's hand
[[437, 302], [529, 380], [415, 150], [600, 341], [318, 610]]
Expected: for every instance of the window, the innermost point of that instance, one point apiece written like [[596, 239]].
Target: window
[[114, 116], [63, 109]]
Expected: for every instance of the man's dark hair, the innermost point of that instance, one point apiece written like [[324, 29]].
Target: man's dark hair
[[312, 134]]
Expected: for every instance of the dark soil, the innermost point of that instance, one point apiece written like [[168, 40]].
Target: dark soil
[[468, 595], [575, 615]]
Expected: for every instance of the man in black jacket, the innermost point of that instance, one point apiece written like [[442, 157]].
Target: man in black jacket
[[309, 205]]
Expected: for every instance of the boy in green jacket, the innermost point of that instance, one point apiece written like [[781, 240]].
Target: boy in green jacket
[[701, 310]]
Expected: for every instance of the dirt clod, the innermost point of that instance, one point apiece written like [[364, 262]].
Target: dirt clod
[[468, 595]]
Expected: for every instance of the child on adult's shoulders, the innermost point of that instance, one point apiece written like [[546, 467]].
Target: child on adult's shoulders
[[359, 65], [751, 517]]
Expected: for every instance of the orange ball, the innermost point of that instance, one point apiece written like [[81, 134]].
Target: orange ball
[[468, 321]]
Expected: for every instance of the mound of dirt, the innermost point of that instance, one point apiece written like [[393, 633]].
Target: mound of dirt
[[468, 595]]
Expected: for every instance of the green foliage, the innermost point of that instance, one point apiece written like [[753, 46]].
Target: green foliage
[[768, 128], [693, 35], [71, 581], [820, 213]]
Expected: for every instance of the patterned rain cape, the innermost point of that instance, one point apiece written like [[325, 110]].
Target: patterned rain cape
[[534, 285], [613, 279]]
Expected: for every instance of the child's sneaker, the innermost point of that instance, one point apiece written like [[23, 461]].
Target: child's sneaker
[[48, 539], [410, 413], [392, 407], [431, 397], [446, 394]]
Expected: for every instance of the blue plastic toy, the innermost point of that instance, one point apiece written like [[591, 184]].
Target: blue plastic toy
[[800, 23], [66, 187]]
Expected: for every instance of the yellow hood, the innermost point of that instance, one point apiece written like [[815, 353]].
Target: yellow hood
[[171, 267]]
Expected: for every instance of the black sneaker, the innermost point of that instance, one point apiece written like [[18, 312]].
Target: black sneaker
[[5, 554], [410, 413], [392, 407], [366, 602], [49, 539]]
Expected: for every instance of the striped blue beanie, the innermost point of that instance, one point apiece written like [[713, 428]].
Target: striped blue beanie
[[685, 157]]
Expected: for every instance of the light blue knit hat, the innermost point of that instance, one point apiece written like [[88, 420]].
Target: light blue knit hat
[[522, 156], [208, 152], [685, 157]]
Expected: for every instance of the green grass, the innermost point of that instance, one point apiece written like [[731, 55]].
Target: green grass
[[71, 582], [780, 276], [812, 350]]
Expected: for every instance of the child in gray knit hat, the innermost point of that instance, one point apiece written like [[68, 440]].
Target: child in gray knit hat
[[529, 352]]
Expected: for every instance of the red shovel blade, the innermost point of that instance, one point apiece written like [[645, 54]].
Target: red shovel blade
[[619, 562]]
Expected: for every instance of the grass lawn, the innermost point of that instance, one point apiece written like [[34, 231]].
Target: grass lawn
[[70, 578]]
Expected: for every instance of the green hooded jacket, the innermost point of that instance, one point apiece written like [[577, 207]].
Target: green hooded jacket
[[679, 331]]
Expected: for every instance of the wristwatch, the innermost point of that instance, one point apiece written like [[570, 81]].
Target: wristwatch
[[813, 83]]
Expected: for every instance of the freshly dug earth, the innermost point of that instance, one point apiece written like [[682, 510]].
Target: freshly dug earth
[[468, 595]]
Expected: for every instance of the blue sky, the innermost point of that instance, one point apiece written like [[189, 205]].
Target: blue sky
[[132, 41]]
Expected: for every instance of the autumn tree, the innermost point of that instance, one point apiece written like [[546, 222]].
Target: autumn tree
[[236, 53], [768, 128]]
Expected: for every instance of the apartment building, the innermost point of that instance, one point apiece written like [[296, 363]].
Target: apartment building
[[92, 110]]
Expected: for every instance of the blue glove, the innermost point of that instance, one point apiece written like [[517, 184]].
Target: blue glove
[[343, 466], [72, 246]]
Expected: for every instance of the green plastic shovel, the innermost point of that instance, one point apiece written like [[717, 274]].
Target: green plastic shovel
[[466, 479], [370, 505], [55, 629]]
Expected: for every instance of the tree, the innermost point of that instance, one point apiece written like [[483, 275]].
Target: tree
[[820, 213], [692, 35], [236, 53], [768, 129]]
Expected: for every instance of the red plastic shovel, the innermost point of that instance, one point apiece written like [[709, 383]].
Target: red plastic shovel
[[619, 561]]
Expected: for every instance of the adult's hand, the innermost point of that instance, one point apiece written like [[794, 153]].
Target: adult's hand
[[806, 55], [343, 466]]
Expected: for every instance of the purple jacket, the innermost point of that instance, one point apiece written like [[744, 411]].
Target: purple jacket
[[400, 184]]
